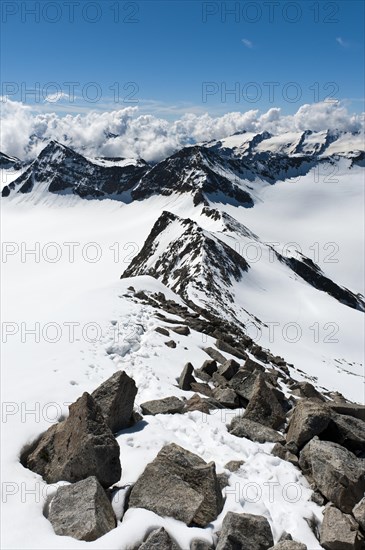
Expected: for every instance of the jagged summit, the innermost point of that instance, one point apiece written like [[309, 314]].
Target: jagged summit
[[59, 169], [191, 261], [196, 170]]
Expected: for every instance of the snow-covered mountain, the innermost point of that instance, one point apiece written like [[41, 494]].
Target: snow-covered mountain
[[250, 247], [59, 169], [220, 171]]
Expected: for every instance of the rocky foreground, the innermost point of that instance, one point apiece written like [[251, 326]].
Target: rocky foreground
[[322, 434]]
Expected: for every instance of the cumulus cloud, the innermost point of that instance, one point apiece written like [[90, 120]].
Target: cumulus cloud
[[127, 133]]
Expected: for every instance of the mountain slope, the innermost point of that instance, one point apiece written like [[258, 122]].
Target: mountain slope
[[192, 262], [61, 170]]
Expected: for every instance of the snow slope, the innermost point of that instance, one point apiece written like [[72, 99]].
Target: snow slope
[[112, 331]]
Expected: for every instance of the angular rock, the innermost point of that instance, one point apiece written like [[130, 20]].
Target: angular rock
[[181, 485], [82, 511], [216, 355], [339, 531], [183, 330], [219, 381], [346, 431], [338, 473], [162, 331], [171, 344], [229, 369], [167, 405], [224, 346], [199, 373], [307, 390], [76, 448], [159, 540], [253, 366], [282, 452], [234, 465], [289, 545], [310, 418], [186, 377], [243, 427], [243, 383], [349, 409], [115, 397], [200, 387], [245, 532], [209, 367], [227, 397], [264, 406], [359, 513], [196, 403]]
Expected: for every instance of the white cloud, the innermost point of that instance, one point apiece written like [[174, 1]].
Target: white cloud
[[57, 96], [247, 43], [342, 42], [129, 133]]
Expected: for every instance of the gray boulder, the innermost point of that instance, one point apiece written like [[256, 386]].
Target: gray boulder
[[243, 427], [282, 452], [245, 532], [310, 418], [228, 369], [162, 331], [289, 545], [346, 431], [159, 540], [228, 348], [116, 400], [170, 344], [186, 377], [227, 397], [76, 448], [264, 406], [349, 409], [82, 511], [339, 531], [167, 405], [216, 355], [196, 403], [359, 513], [307, 390], [181, 485], [338, 473], [243, 383], [209, 367], [183, 330], [201, 387], [253, 366]]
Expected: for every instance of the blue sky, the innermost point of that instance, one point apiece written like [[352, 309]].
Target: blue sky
[[171, 50]]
